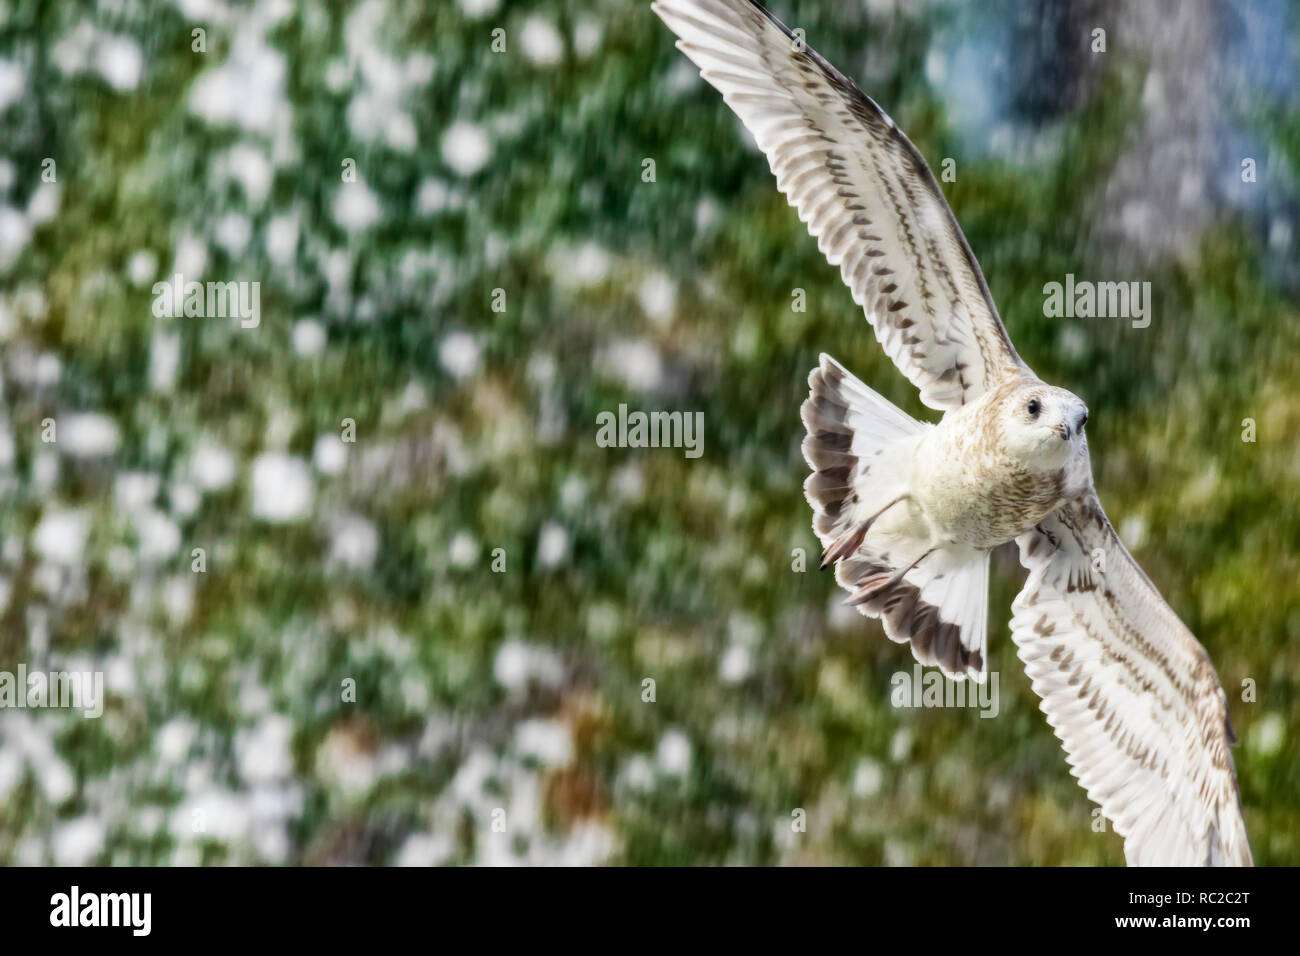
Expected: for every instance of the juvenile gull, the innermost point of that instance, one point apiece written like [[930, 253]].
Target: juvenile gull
[[908, 512]]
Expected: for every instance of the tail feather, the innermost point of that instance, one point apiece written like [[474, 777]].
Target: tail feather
[[945, 621], [848, 426], [859, 446]]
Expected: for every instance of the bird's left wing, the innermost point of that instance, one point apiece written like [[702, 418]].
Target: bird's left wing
[[864, 191], [1130, 692]]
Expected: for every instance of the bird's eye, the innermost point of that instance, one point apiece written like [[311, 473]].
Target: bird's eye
[[1034, 407]]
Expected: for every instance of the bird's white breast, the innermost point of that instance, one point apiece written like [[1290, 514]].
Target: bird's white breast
[[970, 490]]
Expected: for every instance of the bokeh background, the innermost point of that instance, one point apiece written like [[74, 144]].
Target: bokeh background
[[227, 736]]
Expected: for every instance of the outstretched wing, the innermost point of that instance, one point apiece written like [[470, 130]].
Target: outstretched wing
[[1130, 693], [864, 191]]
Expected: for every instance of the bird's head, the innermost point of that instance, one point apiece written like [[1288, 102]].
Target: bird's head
[[1042, 426]]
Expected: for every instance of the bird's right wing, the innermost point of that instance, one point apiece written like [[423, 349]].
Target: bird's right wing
[[1130, 692], [864, 191]]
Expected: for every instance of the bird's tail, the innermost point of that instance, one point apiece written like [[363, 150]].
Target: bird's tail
[[859, 447]]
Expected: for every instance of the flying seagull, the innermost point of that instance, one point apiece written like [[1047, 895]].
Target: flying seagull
[[908, 512]]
